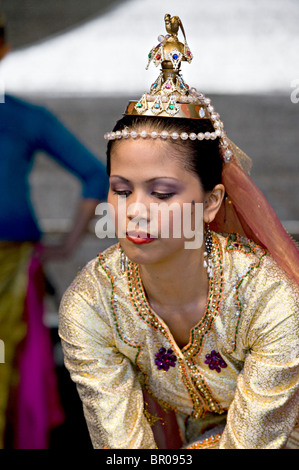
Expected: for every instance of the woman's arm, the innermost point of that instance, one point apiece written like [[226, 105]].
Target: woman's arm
[[61, 145], [106, 380], [266, 403]]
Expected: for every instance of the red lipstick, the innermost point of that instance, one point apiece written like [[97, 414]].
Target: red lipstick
[[140, 238]]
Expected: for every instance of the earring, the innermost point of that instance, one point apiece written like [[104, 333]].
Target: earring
[[123, 260], [208, 263]]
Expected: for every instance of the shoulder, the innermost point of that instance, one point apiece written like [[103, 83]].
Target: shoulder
[[25, 117], [18, 104], [265, 298], [254, 278], [247, 261], [85, 314], [109, 261], [238, 247]]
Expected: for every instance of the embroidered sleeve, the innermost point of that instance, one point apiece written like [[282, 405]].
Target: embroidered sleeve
[[265, 406], [106, 381]]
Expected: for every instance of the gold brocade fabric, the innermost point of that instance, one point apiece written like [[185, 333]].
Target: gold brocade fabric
[[14, 261], [110, 337]]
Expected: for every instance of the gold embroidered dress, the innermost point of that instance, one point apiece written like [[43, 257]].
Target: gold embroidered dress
[[111, 336]]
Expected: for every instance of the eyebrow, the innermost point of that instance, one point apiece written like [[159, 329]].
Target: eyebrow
[[147, 181]]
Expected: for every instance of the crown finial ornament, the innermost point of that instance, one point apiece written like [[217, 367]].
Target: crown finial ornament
[[169, 91], [170, 51], [170, 96]]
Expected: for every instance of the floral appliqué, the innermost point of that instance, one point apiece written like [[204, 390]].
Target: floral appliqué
[[165, 359], [215, 361]]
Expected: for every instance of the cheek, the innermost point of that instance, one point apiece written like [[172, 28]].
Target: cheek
[[112, 206], [175, 223], [118, 212], [182, 221], [113, 209], [166, 220]]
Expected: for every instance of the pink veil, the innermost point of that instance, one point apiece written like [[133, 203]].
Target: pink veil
[[247, 212]]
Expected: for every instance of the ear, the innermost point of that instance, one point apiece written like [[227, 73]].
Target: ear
[[212, 203]]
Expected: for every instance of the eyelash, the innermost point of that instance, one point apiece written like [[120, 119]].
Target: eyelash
[[163, 195], [155, 194], [122, 193]]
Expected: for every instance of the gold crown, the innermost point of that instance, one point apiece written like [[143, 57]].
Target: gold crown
[[170, 96]]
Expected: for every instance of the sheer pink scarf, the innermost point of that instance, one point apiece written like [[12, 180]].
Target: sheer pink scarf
[[247, 212]]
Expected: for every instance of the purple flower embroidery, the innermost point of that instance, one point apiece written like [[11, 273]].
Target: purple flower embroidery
[[215, 361], [165, 359]]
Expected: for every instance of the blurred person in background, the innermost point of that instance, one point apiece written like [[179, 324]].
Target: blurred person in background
[[29, 400]]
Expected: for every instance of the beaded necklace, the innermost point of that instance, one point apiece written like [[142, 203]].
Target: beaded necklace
[[201, 329], [197, 386]]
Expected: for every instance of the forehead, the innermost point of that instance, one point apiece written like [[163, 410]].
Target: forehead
[[146, 154], [141, 160]]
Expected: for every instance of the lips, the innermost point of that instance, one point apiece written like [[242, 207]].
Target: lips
[[140, 238]]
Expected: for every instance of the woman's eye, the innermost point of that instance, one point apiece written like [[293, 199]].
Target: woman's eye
[[124, 192], [163, 195]]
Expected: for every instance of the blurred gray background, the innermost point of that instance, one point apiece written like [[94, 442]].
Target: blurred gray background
[[265, 126]]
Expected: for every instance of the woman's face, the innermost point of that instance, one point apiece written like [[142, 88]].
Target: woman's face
[[149, 191]]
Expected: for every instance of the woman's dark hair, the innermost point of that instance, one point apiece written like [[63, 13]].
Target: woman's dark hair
[[199, 156]]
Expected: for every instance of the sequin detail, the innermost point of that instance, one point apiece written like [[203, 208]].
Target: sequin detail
[[165, 359], [215, 361], [211, 442], [236, 242]]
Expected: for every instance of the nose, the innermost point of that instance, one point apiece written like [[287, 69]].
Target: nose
[[133, 213], [138, 211], [137, 217]]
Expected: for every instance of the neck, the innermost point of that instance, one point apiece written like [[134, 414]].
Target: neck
[[178, 281]]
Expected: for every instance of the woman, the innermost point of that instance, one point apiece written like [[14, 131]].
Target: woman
[[176, 347], [29, 401]]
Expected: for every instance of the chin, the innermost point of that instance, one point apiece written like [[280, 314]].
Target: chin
[[149, 253], [142, 254]]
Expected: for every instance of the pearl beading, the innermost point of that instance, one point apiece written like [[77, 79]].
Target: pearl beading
[[126, 133]]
